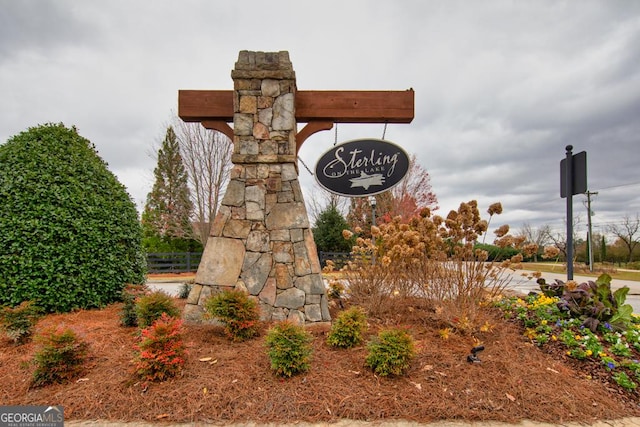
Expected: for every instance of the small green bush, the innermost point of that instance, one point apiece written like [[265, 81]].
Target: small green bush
[[161, 352], [18, 322], [184, 291], [130, 296], [60, 358], [128, 315], [150, 307], [390, 353], [348, 329], [237, 311], [289, 349]]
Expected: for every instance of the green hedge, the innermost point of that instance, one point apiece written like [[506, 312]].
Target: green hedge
[[69, 232], [496, 253]]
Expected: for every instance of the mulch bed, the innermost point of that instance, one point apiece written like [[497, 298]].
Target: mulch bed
[[514, 381]]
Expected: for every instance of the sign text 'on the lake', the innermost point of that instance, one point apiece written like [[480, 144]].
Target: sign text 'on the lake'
[[362, 167]]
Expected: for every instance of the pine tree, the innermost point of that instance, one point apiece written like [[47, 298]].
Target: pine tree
[[328, 231], [166, 218]]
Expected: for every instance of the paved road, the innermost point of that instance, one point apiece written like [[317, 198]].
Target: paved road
[[171, 288]]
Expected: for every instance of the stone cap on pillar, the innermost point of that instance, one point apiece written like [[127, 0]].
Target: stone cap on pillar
[[263, 65]]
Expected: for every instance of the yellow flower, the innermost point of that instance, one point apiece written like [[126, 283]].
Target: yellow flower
[[486, 327], [588, 352], [578, 337], [444, 333], [554, 338], [543, 322]]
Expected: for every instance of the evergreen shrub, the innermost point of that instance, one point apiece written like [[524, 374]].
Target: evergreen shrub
[[289, 349], [150, 308], [18, 322], [348, 329], [236, 311], [391, 352], [60, 357], [69, 233], [130, 296]]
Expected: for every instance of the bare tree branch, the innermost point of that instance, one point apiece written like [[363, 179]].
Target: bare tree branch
[[538, 236], [626, 233], [207, 158]]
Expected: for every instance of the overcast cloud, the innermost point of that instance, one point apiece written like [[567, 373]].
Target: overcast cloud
[[501, 87]]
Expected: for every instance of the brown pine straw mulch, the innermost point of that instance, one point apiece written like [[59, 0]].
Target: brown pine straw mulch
[[514, 381]]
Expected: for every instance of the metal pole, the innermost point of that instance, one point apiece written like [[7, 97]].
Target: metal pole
[[569, 186], [372, 200], [373, 220], [590, 242]]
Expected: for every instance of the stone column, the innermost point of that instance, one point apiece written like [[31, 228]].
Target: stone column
[[261, 241]]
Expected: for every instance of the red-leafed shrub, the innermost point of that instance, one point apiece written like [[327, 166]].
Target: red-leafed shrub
[[161, 352]]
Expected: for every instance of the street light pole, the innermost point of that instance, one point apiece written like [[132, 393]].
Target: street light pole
[[372, 201], [590, 241]]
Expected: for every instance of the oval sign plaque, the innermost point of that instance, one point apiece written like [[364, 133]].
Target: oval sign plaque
[[362, 167]]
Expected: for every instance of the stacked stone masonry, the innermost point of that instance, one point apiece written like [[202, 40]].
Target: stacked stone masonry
[[261, 241]]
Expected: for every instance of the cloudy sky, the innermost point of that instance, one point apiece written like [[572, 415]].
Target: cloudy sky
[[501, 87]]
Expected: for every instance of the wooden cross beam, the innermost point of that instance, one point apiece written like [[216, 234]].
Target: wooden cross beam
[[319, 109]]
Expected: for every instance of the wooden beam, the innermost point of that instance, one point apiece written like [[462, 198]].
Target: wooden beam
[[310, 129], [355, 106], [201, 105], [311, 105], [220, 126]]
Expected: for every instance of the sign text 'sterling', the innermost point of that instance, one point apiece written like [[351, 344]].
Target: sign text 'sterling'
[[362, 167]]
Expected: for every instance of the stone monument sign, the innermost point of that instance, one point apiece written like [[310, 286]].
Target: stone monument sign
[[261, 240]]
